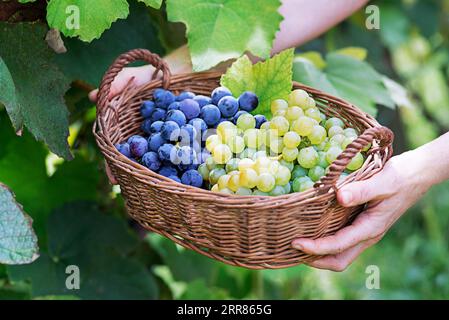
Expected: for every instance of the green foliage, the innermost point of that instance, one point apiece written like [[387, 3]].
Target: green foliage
[[411, 48], [33, 86], [18, 243], [100, 246], [347, 77], [270, 80], [220, 30]]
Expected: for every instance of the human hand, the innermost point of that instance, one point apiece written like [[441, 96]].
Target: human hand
[[389, 194]]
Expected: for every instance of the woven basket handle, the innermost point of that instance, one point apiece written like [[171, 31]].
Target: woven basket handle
[[121, 62], [385, 137]]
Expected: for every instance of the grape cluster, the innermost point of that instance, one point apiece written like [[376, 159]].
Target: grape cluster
[[176, 127], [287, 154]]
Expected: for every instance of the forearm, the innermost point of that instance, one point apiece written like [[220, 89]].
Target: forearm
[[307, 19], [432, 160]]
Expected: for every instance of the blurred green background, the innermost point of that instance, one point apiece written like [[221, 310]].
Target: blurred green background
[[80, 219]]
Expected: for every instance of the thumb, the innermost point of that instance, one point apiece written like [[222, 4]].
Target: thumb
[[361, 192]]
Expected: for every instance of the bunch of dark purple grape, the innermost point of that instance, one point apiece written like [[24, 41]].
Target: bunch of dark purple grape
[[176, 127]]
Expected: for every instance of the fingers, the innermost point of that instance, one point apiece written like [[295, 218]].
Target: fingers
[[111, 177], [362, 229], [341, 261], [93, 95], [360, 192]]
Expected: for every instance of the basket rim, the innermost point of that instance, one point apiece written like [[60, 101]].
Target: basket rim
[[238, 199]]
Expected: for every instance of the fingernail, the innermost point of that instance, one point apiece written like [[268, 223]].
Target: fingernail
[[297, 245], [346, 197]]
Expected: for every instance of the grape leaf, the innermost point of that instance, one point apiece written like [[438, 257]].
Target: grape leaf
[[23, 169], [219, 30], [85, 19], [152, 3], [89, 61], [18, 243], [270, 80], [32, 86], [100, 246], [348, 78]]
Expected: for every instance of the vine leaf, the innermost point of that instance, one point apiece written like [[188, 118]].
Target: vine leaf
[[346, 77], [270, 80], [85, 19], [32, 87], [18, 243], [152, 3], [100, 245], [219, 30]]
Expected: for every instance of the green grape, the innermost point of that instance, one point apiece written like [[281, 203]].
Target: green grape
[[289, 154], [292, 139], [350, 132], [266, 182], [262, 164], [227, 131], [273, 167], [276, 145], [226, 191], [314, 113], [211, 164], [221, 154], [338, 139], [296, 185], [303, 126], [215, 188], [248, 178], [334, 131], [213, 141], [283, 175], [323, 118], [306, 186], [234, 181], [356, 162], [265, 126], [298, 97], [287, 187], [204, 171], [333, 153], [260, 154], [322, 145], [322, 162], [246, 163], [278, 105], [308, 157], [246, 121], [277, 191], [318, 135], [223, 181], [232, 165], [236, 144], [247, 153], [347, 141], [287, 164], [365, 149], [343, 176], [316, 173], [215, 175], [280, 125], [253, 138], [280, 113], [299, 172], [244, 191], [257, 192], [293, 113], [310, 103], [334, 122]]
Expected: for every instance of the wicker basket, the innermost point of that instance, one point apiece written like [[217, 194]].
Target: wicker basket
[[248, 231]]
